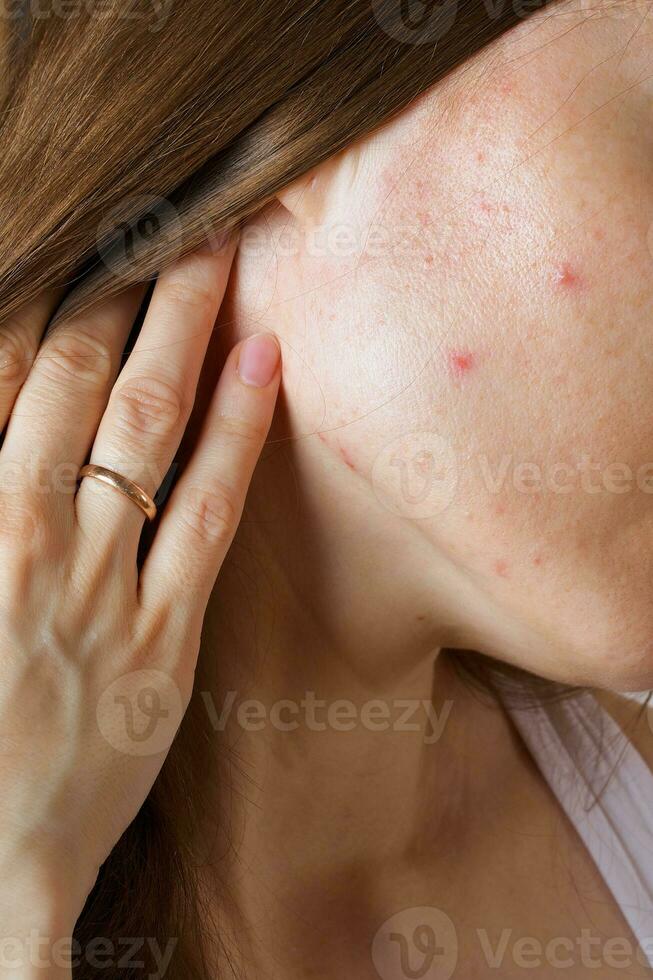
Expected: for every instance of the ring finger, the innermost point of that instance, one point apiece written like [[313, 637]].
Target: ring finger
[[152, 399]]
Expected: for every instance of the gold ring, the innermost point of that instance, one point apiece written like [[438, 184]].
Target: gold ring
[[128, 487]]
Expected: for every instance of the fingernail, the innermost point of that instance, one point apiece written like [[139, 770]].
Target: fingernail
[[258, 359]]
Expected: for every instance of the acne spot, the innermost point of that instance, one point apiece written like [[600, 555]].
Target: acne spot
[[499, 510], [501, 568], [428, 259], [480, 156], [461, 362], [538, 561], [599, 234], [566, 277]]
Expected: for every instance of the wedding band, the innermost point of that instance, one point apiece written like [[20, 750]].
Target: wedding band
[[127, 487]]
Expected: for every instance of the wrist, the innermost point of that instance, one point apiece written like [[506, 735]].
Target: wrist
[[37, 921], [44, 948]]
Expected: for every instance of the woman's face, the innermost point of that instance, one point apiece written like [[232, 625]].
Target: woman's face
[[465, 302]]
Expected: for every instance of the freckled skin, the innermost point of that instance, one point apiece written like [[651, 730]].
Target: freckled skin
[[452, 278]]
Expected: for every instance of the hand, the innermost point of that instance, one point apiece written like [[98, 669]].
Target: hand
[[97, 656]]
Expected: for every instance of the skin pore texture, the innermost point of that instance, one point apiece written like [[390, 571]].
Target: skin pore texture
[[463, 302]]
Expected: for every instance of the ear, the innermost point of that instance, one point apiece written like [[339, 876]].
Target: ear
[[327, 189], [297, 198]]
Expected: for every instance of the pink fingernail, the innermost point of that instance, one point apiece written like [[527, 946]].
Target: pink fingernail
[[258, 359]]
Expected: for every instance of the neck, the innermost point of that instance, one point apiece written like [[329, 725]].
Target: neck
[[350, 734]]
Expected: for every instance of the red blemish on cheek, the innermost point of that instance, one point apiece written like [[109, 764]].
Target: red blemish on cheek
[[499, 510], [480, 156], [428, 259], [461, 362], [538, 561], [501, 568], [566, 277]]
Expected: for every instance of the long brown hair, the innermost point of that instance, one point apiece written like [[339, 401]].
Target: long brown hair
[[128, 129]]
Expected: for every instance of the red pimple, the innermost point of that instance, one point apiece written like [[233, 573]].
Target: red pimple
[[538, 560], [501, 568], [461, 362], [428, 259], [480, 156], [566, 277]]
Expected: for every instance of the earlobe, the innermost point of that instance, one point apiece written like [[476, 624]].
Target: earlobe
[[327, 190], [298, 198]]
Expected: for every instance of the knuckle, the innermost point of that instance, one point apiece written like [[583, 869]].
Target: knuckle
[[250, 433], [191, 285], [149, 406], [73, 357], [16, 357], [21, 522], [211, 515]]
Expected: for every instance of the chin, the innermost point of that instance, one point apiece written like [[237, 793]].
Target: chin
[[614, 651]]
